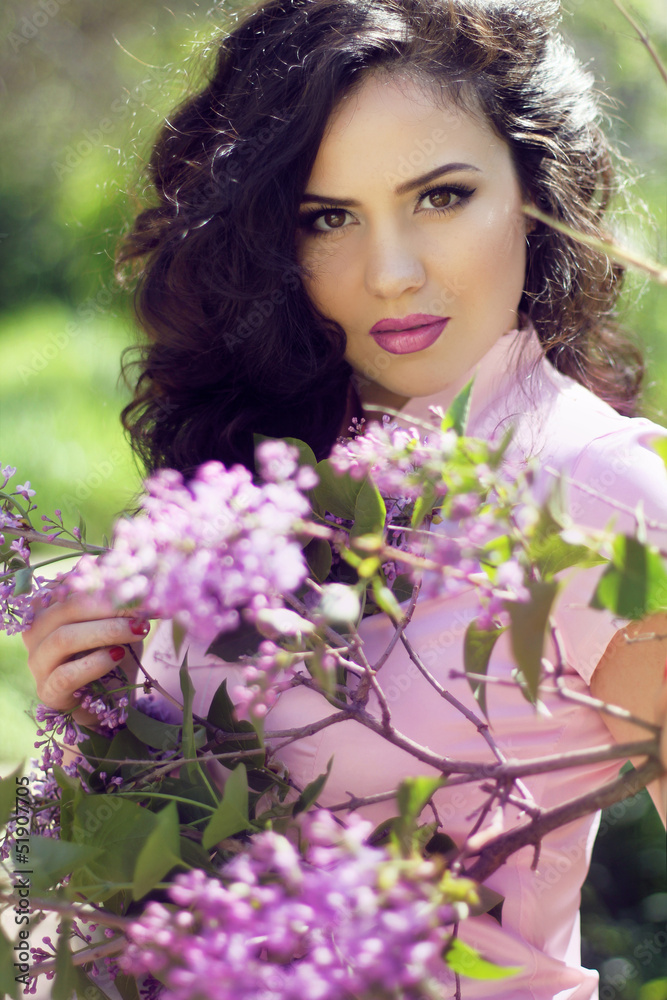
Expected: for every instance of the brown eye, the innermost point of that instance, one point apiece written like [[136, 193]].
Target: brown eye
[[441, 198], [332, 220]]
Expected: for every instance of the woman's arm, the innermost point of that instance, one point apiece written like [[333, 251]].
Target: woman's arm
[[631, 674]]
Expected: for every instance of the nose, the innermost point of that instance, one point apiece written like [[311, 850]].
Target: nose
[[393, 266]]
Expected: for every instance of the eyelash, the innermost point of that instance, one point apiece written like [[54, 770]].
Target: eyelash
[[462, 191]]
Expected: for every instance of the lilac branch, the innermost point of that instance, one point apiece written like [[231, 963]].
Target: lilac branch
[[496, 852], [644, 39]]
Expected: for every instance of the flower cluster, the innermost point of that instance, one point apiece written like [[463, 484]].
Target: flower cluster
[[206, 548], [399, 461], [270, 673], [349, 919], [17, 596]]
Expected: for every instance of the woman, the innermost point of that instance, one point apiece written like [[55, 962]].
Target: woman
[[339, 231]]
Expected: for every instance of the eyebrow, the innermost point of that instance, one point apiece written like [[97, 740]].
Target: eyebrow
[[405, 188]]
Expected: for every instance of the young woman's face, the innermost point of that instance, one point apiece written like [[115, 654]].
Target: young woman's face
[[412, 220]]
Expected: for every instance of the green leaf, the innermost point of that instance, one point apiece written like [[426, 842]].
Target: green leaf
[[402, 587], [22, 581], [355, 500], [635, 584], [71, 792], [385, 599], [370, 512], [334, 492], [221, 715], [489, 900], [178, 634], [456, 416], [64, 986], [8, 795], [477, 648], [551, 554], [189, 747], [152, 732], [231, 816], [318, 556], [231, 646], [52, 859], [461, 958], [306, 454], [529, 621], [159, 854], [119, 828], [424, 505], [311, 791], [8, 985], [413, 794]]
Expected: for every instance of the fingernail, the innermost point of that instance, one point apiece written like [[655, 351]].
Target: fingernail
[[116, 653], [140, 627]]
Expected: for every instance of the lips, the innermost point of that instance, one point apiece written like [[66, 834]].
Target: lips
[[409, 334]]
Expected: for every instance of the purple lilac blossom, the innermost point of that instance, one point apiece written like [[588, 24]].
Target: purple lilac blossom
[[348, 920], [398, 460], [202, 551]]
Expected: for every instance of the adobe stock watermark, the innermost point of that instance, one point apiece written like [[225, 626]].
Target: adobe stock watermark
[[119, 110], [84, 487], [30, 25], [91, 308]]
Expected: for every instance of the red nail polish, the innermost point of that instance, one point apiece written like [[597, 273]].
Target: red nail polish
[[116, 653], [140, 627]]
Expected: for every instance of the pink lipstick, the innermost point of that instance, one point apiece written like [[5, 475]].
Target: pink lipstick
[[408, 334]]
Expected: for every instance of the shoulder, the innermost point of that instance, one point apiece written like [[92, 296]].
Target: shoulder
[[609, 463]]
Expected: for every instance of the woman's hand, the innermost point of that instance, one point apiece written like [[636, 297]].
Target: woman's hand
[[76, 641]]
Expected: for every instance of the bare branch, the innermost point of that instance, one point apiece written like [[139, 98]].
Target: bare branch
[[495, 853], [644, 39]]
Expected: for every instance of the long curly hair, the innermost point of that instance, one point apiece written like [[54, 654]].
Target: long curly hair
[[233, 344]]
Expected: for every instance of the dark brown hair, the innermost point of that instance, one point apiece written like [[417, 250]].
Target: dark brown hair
[[234, 345]]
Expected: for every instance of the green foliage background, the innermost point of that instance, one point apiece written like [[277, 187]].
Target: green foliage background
[[83, 85]]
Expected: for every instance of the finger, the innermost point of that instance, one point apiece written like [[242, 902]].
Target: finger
[[75, 608], [62, 643], [57, 689]]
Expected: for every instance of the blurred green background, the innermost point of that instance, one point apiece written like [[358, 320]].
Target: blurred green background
[[83, 86]]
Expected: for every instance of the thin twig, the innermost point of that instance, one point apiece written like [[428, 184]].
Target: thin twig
[[588, 700], [84, 956], [30, 535], [644, 39], [481, 726], [623, 256]]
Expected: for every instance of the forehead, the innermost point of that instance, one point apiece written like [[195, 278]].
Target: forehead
[[395, 123]]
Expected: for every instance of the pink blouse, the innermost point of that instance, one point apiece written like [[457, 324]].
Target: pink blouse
[[609, 468]]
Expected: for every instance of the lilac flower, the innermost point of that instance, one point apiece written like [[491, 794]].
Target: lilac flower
[[25, 490], [399, 461], [348, 920], [20, 548], [270, 673], [202, 551], [17, 611], [6, 473]]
